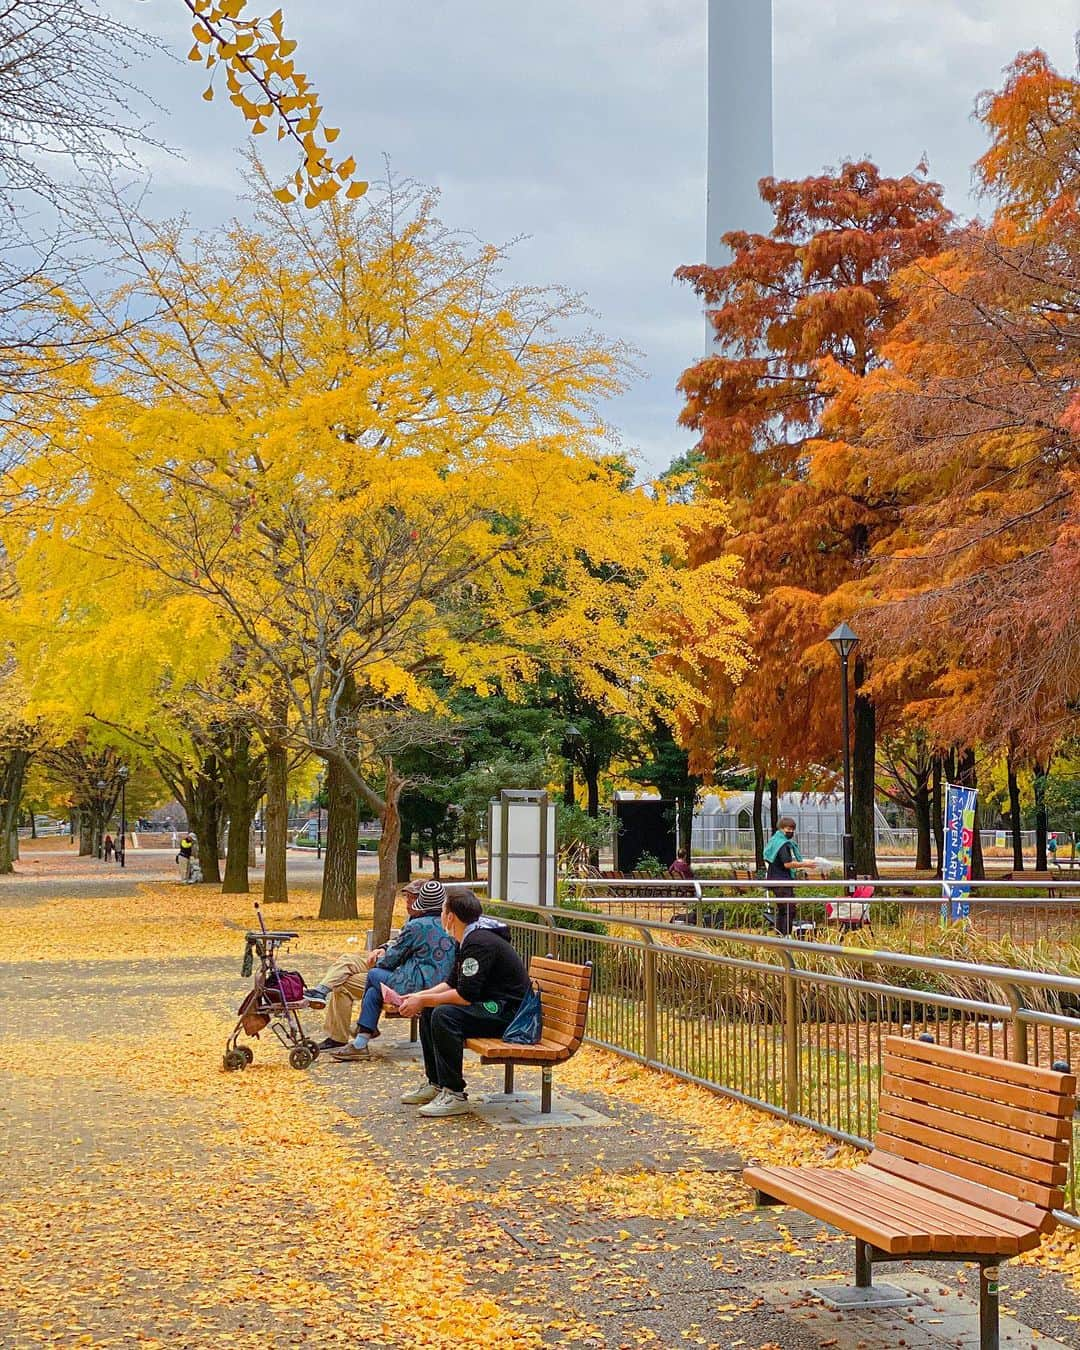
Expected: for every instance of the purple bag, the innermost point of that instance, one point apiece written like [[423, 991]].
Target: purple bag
[[289, 986]]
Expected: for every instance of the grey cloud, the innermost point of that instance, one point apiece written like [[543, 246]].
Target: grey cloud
[[581, 123]]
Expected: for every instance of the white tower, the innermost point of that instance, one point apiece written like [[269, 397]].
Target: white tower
[[740, 119]]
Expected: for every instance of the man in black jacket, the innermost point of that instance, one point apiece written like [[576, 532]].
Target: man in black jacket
[[480, 998]]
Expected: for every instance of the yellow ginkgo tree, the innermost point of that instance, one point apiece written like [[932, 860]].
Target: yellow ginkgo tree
[[381, 472], [256, 63]]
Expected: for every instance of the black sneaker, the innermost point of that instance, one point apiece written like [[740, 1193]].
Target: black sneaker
[[328, 1044]]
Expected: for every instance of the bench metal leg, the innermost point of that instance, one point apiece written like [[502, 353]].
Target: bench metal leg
[[988, 1307], [508, 1079], [863, 1278], [545, 1090], [414, 1030]]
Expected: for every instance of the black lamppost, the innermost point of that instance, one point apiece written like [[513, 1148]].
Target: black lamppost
[[572, 738], [845, 642], [123, 775], [102, 788], [318, 819]]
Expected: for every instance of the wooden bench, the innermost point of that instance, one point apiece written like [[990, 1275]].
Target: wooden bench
[[564, 992], [969, 1162]]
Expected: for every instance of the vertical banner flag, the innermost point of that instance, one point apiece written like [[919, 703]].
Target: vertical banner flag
[[959, 839]]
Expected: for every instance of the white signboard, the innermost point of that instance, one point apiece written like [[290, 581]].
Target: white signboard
[[521, 848]]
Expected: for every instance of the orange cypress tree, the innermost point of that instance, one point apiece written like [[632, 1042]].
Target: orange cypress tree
[[800, 317], [974, 419]]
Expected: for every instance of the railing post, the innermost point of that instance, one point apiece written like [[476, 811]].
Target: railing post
[[1020, 1028], [553, 929], [792, 1020], [650, 995]]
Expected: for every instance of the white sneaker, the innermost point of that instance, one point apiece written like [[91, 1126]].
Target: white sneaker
[[420, 1095], [447, 1104]]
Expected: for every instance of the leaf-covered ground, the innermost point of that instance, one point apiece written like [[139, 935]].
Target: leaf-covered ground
[[151, 1199]]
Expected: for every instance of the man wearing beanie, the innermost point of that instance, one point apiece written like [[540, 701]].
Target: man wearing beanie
[[422, 954]]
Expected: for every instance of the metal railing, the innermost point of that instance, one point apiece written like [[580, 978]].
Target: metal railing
[[905, 915], [796, 1028]]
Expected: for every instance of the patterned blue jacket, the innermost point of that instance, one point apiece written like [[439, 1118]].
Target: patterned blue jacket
[[421, 955]]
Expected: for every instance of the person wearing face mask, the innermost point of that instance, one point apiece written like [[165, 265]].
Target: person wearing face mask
[[783, 861]]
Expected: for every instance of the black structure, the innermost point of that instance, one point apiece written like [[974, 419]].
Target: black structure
[[644, 826]]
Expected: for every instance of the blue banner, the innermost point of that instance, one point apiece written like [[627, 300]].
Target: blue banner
[[959, 840]]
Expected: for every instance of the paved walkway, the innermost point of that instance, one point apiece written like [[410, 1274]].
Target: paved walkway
[[151, 1199]]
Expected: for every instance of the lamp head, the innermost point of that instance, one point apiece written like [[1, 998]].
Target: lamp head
[[572, 736], [844, 640]]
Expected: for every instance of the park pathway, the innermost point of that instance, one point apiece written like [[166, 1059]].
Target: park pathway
[[150, 1199]]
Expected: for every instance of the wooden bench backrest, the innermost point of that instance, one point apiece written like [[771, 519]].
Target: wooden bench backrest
[[989, 1121], [564, 992]]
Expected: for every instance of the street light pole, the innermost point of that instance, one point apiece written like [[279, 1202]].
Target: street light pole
[[102, 788], [845, 642], [572, 738], [123, 814]]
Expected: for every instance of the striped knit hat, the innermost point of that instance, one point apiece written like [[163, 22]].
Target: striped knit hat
[[429, 898]]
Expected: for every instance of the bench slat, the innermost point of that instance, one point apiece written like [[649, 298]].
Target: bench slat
[[1023, 1145], [970, 1213], [490, 1049], [982, 1066], [1032, 1122], [1045, 1197], [965, 1149], [569, 1003], [930, 1225], [557, 967], [1021, 1211], [981, 1089], [789, 1186]]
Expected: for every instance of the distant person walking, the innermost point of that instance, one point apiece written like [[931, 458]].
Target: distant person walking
[[185, 856], [109, 847], [783, 860]]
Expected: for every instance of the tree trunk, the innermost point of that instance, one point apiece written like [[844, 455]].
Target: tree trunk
[[568, 785], [922, 827], [1014, 817], [759, 833], [1040, 817], [339, 851], [276, 825], [236, 850], [774, 805], [968, 777], [386, 886], [471, 869], [863, 779], [684, 824], [202, 801], [404, 859], [937, 815], [12, 777], [86, 833], [436, 860]]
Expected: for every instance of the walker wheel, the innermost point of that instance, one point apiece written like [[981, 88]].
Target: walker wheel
[[234, 1059], [313, 1046], [300, 1057], [247, 1052]]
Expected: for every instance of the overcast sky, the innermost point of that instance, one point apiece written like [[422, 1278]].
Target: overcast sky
[[580, 124]]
